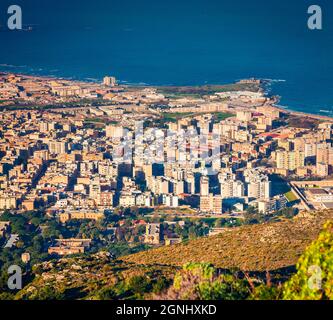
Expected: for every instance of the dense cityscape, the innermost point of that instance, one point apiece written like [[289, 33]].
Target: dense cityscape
[[91, 167]]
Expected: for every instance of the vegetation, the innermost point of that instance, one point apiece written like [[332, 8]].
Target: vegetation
[[291, 196], [76, 103], [219, 116], [201, 281], [302, 122], [100, 276], [199, 91], [30, 237], [252, 216], [312, 281], [314, 277], [96, 277], [174, 117], [167, 117], [259, 247], [102, 121]]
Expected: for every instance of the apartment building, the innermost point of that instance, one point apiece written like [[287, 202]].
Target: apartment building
[[211, 204]]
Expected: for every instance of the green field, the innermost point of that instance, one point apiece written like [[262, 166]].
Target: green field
[[174, 117], [219, 116], [199, 91], [290, 196]]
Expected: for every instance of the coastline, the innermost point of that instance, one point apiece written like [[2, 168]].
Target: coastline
[[123, 83], [303, 114]]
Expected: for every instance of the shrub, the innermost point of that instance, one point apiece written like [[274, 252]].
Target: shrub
[[201, 281], [160, 285], [107, 294], [314, 277], [139, 285]]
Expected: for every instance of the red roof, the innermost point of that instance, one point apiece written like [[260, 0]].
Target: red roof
[[140, 222], [268, 134]]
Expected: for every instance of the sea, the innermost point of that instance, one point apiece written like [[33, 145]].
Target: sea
[[178, 42]]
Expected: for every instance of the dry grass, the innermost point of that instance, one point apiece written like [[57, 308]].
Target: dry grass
[[253, 248], [85, 277]]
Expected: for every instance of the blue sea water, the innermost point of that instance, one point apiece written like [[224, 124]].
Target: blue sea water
[[178, 42]]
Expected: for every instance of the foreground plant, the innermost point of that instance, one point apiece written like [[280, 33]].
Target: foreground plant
[[314, 277], [201, 281]]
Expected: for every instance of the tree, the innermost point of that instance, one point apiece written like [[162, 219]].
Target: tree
[[192, 232], [38, 244], [220, 223], [252, 216], [160, 285], [314, 277], [201, 281], [139, 285], [52, 230], [107, 294], [6, 296], [47, 293]]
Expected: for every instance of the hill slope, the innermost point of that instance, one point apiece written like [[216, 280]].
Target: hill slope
[[270, 246], [262, 247], [96, 277]]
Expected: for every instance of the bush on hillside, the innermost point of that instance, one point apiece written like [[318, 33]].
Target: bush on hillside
[[201, 281], [314, 277]]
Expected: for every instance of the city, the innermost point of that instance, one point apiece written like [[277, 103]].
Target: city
[[92, 167], [162, 158]]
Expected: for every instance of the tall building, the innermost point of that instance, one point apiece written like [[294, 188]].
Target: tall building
[[232, 189], [158, 185], [148, 170], [113, 131], [7, 202], [271, 205], [190, 183], [204, 186], [322, 169], [281, 159], [170, 201], [211, 203], [42, 155], [58, 147], [290, 160], [259, 189], [109, 81], [258, 184], [217, 204], [108, 169], [285, 144], [95, 191], [295, 160], [244, 116], [105, 199], [230, 186], [310, 150], [45, 127], [178, 187], [324, 153]]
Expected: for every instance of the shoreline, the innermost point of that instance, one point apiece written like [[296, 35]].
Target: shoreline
[[280, 108], [303, 114]]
